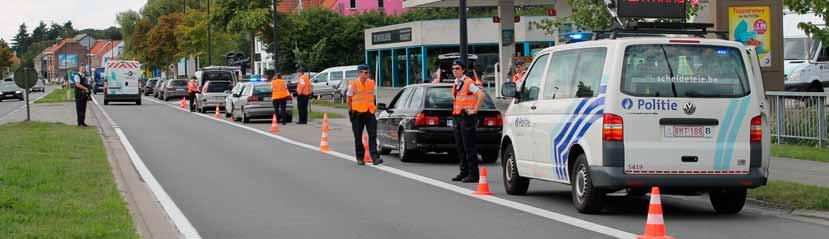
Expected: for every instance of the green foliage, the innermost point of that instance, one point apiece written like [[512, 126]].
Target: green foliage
[[162, 42], [22, 40], [193, 38], [5, 58], [819, 8]]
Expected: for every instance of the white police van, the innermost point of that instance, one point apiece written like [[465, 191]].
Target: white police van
[[684, 114]]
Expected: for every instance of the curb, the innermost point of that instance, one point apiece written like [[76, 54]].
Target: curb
[[811, 214]]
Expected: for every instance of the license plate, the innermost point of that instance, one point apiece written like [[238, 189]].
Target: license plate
[[679, 131], [180, 90], [267, 98], [449, 123]]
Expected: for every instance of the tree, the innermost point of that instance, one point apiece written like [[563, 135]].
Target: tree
[[68, 29], [39, 33], [5, 58], [55, 31], [164, 43], [139, 40], [193, 38], [22, 40], [819, 8]]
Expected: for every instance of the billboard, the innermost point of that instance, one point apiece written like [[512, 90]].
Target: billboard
[[67, 62], [751, 25], [652, 8]]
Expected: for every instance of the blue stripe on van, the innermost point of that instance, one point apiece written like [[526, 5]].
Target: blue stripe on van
[[737, 124], [563, 145], [596, 116], [560, 145], [563, 131], [723, 132]]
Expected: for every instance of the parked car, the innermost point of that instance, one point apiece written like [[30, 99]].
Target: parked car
[[419, 120], [328, 81], [293, 80], [212, 94], [9, 90], [174, 89], [149, 87], [254, 101], [39, 86], [233, 96], [159, 87]]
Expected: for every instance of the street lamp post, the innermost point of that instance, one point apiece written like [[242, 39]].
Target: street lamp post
[[463, 32], [209, 38], [185, 58], [275, 39]]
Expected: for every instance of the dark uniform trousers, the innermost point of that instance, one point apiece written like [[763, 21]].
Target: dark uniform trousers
[[302, 107], [80, 106], [369, 122], [464, 129], [280, 109], [192, 97]]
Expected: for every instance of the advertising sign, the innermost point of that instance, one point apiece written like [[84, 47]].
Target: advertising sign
[[393, 36], [67, 61], [751, 25], [652, 8]]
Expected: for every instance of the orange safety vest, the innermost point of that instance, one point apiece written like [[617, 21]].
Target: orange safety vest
[[192, 87], [517, 77], [279, 89], [304, 86], [363, 98], [464, 100]]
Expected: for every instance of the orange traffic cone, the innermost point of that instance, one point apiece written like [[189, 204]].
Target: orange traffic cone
[[324, 142], [483, 186], [217, 115], [183, 103], [325, 127], [655, 226], [274, 124], [367, 154]]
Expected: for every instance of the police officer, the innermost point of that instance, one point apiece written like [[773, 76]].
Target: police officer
[[468, 97], [192, 89], [79, 80], [303, 91], [280, 97], [520, 71], [361, 103]]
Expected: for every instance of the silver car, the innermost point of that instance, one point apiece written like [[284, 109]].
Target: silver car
[[213, 94], [254, 101], [233, 97], [174, 89]]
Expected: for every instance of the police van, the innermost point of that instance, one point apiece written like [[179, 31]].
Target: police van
[[628, 113], [122, 83]]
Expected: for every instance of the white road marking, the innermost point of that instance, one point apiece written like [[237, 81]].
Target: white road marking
[[460, 190], [185, 228], [23, 106]]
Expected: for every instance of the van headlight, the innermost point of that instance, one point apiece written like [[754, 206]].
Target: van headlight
[[794, 77]]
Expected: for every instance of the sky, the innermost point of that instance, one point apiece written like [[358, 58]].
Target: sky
[[97, 14]]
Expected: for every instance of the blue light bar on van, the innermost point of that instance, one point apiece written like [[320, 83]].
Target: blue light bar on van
[[576, 36], [722, 52]]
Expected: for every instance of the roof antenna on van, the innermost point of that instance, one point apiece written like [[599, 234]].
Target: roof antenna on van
[[610, 5]]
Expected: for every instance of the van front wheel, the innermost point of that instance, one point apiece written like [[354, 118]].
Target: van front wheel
[[586, 198], [514, 184], [728, 201]]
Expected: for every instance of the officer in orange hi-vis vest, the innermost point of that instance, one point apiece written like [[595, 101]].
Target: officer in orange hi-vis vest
[[280, 97], [362, 104], [192, 89], [520, 71], [468, 98], [303, 92]]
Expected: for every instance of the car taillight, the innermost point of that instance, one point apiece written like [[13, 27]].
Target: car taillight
[[254, 98], [423, 120], [756, 129], [496, 121], [613, 128]]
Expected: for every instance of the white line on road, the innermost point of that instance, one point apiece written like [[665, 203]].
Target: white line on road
[[23, 106], [460, 190], [185, 228]]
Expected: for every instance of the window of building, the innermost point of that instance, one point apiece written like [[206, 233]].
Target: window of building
[[379, 3], [352, 4]]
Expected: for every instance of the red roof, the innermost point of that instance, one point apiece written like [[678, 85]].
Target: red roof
[[98, 46]]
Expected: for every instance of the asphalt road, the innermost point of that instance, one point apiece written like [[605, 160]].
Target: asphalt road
[[8, 106], [234, 183]]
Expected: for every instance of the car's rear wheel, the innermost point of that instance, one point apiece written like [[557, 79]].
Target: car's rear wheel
[[586, 198], [245, 118], [514, 184], [138, 102], [405, 154], [728, 201]]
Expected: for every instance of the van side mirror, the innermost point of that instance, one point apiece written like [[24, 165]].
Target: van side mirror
[[382, 107], [509, 89], [227, 92]]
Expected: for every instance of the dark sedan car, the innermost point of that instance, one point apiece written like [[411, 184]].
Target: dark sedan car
[[149, 87], [8, 90], [419, 120]]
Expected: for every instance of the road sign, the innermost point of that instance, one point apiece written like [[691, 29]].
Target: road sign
[[25, 78]]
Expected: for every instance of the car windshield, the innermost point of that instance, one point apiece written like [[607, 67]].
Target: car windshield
[[8, 86], [178, 83], [152, 82], [214, 87], [217, 76], [262, 90], [684, 71], [441, 98], [794, 49]]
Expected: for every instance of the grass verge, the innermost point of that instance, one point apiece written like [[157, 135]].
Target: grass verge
[[796, 195], [55, 182], [330, 104], [800, 152], [57, 95], [317, 114]]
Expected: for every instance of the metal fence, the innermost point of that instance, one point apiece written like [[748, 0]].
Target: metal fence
[[798, 117]]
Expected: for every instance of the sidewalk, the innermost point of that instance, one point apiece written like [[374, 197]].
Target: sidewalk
[[800, 171]]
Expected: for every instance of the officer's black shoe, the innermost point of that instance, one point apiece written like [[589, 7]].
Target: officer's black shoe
[[470, 179], [459, 177], [360, 162], [378, 161]]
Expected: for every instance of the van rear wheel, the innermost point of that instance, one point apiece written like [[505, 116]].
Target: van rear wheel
[[728, 201], [586, 198]]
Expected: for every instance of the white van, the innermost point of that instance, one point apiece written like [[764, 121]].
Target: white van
[[328, 82], [122, 82], [806, 60], [684, 114]]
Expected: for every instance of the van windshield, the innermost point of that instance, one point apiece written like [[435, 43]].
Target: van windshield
[[684, 71], [794, 49], [218, 86], [217, 76]]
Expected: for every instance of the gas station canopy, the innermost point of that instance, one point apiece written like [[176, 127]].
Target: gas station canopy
[[474, 3]]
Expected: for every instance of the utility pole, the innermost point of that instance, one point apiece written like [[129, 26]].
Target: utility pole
[[463, 33], [209, 38], [186, 70], [275, 39]]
